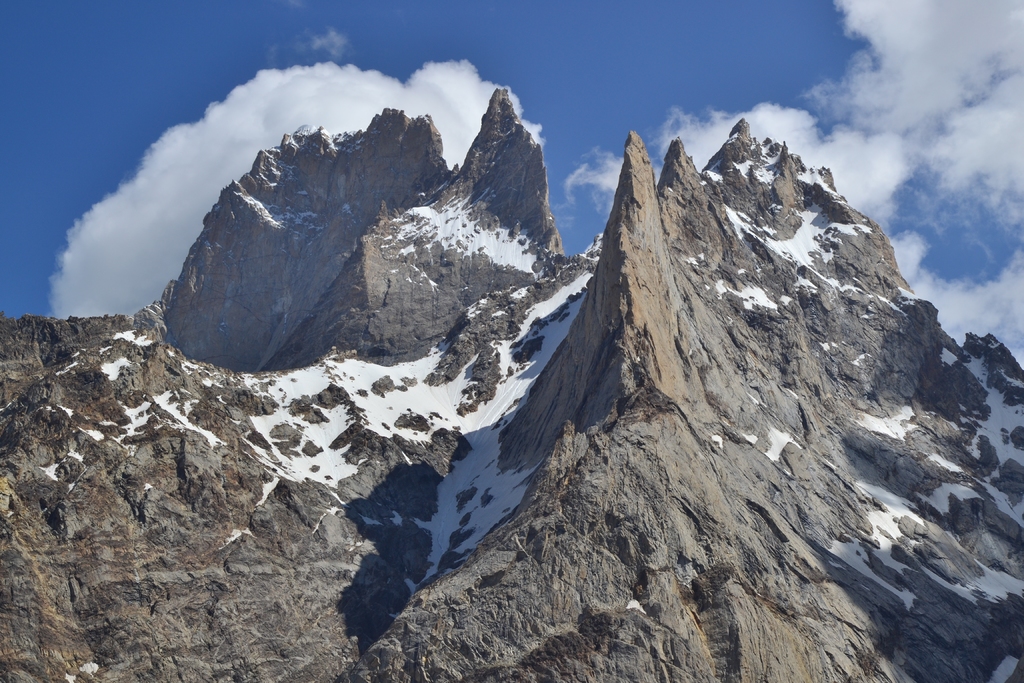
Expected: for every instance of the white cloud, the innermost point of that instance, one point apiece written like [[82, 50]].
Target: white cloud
[[123, 251], [995, 306], [331, 42], [602, 177], [948, 77]]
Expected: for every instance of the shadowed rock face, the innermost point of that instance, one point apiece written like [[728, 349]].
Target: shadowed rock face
[[748, 454], [326, 243], [277, 238]]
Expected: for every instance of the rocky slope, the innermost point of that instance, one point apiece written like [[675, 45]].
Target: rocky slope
[[755, 457], [163, 519], [742, 452]]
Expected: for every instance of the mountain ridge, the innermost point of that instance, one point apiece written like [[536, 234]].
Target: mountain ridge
[[742, 450], [348, 211], [631, 509]]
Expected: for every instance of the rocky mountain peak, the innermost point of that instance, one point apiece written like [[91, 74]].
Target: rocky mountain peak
[[741, 130], [630, 305], [504, 173], [678, 168], [500, 117], [682, 191], [768, 191], [314, 236], [633, 238]]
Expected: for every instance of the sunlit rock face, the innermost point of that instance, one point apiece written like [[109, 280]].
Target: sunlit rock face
[[755, 457], [411, 441]]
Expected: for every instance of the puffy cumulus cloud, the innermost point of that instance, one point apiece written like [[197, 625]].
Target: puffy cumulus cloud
[[123, 251], [948, 77], [965, 306]]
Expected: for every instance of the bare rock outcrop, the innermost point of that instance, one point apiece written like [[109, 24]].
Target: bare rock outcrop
[[164, 519]]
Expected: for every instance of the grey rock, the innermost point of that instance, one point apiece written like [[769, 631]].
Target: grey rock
[[657, 541], [755, 456]]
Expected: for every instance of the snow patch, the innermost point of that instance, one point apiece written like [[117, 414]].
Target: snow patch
[[1002, 420], [751, 296], [268, 488], [940, 496], [777, 441], [945, 464], [134, 337], [96, 436], [451, 227], [135, 419], [635, 604], [1004, 670], [113, 370], [235, 535], [889, 426], [805, 247], [164, 401], [857, 558]]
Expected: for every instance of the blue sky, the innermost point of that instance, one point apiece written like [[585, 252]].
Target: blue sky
[[914, 105]]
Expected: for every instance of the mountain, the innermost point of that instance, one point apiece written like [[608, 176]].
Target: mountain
[[357, 242], [726, 444]]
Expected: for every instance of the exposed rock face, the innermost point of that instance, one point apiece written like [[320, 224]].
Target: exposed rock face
[[166, 520], [504, 171], [309, 200], [742, 452], [363, 242], [747, 466]]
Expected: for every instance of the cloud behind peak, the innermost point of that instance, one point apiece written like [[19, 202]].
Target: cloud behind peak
[[122, 252]]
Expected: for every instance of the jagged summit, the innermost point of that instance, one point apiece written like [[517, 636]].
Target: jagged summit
[[313, 247], [504, 169], [628, 303], [740, 130]]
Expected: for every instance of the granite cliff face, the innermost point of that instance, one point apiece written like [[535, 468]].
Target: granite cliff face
[[755, 457], [740, 451]]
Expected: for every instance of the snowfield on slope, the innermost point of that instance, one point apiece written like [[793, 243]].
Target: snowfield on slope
[[293, 442]]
